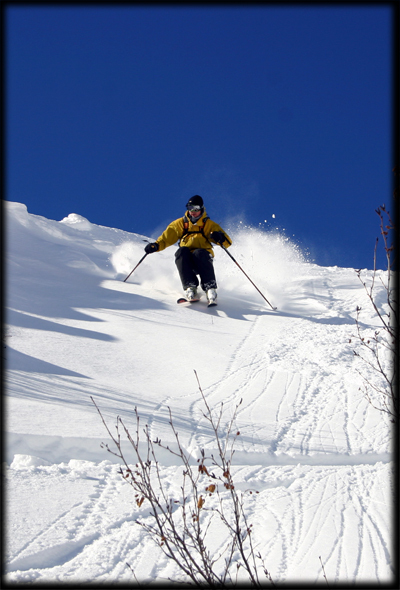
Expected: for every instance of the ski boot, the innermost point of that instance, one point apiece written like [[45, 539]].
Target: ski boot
[[212, 296], [191, 294]]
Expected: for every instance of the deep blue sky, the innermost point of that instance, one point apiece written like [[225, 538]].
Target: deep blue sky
[[121, 113]]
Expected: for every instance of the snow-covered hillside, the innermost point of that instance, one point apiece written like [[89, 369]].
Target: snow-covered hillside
[[318, 454]]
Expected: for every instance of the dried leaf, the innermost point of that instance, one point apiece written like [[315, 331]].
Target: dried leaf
[[203, 469], [210, 488], [200, 503]]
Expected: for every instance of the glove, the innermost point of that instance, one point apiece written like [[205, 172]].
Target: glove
[[150, 248], [218, 236]]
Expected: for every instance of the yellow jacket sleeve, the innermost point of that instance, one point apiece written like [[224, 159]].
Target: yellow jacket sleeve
[[171, 235]]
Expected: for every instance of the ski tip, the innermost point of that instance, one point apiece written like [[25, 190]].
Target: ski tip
[[183, 300]]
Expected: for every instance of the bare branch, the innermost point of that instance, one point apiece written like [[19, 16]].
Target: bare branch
[[381, 349]]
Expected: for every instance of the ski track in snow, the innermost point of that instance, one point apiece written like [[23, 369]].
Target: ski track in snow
[[312, 447], [293, 512]]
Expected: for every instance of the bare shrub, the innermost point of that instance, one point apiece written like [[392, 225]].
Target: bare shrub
[[379, 351], [184, 526]]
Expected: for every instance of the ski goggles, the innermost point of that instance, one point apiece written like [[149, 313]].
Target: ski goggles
[[194, 208]]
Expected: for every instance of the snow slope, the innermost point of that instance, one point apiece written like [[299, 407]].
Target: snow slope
[[318, 454]]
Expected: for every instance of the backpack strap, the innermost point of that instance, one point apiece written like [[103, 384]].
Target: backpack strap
[[186, 228]]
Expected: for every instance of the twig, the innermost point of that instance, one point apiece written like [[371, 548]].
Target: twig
[[323, 569]]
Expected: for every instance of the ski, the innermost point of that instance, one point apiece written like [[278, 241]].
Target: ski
[[184, 300]]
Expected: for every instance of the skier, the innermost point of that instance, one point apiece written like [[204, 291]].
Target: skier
[[195, 232]]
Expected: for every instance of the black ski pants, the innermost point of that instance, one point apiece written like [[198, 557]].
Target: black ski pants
[[191, 263]]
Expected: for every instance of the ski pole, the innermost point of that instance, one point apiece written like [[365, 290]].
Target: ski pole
[[235, 261], [141, 260]]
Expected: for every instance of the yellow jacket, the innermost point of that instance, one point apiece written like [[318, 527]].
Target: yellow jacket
[[195, 238]]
